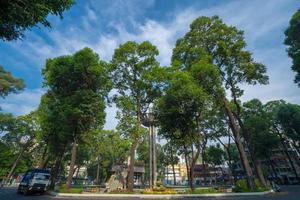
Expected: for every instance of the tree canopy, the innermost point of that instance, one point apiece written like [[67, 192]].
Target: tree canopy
[[17, 16], [8, 83], [292, 40]]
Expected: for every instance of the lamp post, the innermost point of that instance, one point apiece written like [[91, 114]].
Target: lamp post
[[149, 122]]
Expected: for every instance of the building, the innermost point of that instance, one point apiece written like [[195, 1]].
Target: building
[[180, 173]]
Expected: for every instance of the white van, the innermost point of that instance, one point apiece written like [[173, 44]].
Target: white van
[[35, 181]]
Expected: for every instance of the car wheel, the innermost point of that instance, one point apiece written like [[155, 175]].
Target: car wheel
[[25, 192]]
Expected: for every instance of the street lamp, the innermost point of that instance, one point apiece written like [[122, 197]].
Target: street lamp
[[149, 122]]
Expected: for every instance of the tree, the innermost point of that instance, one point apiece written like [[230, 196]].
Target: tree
[[170, 157], [272, 109], [289, 117], [213, 44], [134, 67], [8, 83], [215, 155], [292, 40], [22, 137], [109, 149], [80, 85], [17, 16], [260, 140], [180, 112], [53, 133]]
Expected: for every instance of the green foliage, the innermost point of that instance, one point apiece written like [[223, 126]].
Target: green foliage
[[121, 192], [134, 69], [19, 139], [159, 190], [214, 155], [8, 83], [210, 40], [289, 118], [258, 123], [111, 148], [62, 189], [292, 40], [180, 110], [241, 186], [18, 16], [204, 191], [6, 159], [78, 85]]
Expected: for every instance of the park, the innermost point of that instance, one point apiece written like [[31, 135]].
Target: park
[[190, 108]]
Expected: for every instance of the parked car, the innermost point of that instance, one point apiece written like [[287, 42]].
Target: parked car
[[35, 181]]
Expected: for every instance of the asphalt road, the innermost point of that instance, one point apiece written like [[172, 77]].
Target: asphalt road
[[288, 193]]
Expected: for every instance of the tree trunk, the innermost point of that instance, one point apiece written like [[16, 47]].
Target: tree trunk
[[173, 167], [288, 156], [12, 170], [296, 146], [45, 163], [131, 164], [273, 169], [237, 137], [72, 164], [98, 172], [44, 157], [55, 170], [193, 164], [174, 175], [259, 172], [187, 165]]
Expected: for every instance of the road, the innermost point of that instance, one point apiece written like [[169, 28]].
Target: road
[[288, 193]]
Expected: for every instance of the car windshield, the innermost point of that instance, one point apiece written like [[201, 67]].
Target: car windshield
[[41, 176]]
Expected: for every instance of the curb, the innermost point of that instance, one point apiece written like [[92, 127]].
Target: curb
[[165, 196]]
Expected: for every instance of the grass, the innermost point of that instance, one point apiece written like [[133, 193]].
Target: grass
[[203, 191], [159, 190], [121, 192], [241, 186], [76, 190]]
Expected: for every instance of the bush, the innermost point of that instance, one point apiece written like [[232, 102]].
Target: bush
[[241, 186], [62, 189], [203, 191], [118, 191], [159, 190]]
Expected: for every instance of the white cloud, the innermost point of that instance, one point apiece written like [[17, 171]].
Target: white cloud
[[22, 103]]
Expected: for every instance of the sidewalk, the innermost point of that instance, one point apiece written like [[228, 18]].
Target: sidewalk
[[158, 196]]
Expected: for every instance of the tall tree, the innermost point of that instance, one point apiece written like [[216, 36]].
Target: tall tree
[[170, 158], [180, 113], [289, 117], [260, 140], [53, 133], [272, 109], [210, 40], [80, 84], [8, 83], [134, 70], [292, 40], [22, 137], [17, 16]]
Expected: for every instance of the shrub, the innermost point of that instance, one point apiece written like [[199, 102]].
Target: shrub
[[241, 186], [203, 191], [118, 191], [159, 190], [62, 189]]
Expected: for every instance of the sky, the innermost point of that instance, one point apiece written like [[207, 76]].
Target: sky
[[104, 24]]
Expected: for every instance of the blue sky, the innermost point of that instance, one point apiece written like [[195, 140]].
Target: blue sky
[[104, 24]]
